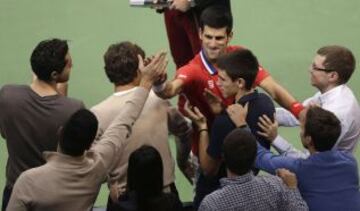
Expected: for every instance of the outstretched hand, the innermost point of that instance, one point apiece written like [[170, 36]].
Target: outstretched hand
[[195, 115], [152, 68], [268, 127], [238, 113]]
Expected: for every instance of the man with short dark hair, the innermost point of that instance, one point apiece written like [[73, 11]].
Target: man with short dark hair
[[330, 71], [237, 72], [182, 25], [328, 178], [153, 125], [31, 115], [73, 175], [241, 190]]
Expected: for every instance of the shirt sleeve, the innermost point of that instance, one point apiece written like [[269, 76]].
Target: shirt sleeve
[[262, 74], [269, 162], [20, 199], [186, 74], [292, 200], [283, 147], [286, 118], [221, 127], [113, 141]]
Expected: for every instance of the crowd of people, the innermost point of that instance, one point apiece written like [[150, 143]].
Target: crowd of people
[[60, 153]]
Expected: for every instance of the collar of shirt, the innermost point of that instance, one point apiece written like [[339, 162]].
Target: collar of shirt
[[65, 160], [246, 98], [209, 67], [331, 95], [120, 93], [237, 180]]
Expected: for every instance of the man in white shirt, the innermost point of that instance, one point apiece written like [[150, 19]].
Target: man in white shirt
[[330, 71]]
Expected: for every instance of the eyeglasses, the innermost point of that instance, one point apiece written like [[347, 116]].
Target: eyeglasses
[[314, 67]]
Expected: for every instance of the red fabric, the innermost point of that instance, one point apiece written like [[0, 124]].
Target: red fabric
[[262, 74], [183, 36]]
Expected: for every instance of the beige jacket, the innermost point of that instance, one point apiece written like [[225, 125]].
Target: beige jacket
[[151, 128]]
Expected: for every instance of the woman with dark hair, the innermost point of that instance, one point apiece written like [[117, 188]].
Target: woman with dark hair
[[145, 184]]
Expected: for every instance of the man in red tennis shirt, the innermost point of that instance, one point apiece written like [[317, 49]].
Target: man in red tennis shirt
[[200, 73]]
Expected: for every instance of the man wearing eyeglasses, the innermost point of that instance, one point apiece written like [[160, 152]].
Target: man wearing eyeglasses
[[330, 71]]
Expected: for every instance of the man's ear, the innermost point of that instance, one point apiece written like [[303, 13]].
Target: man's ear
[[309, 142], [230, 36], [240, 83], [54, 76], [200, 33], [333, 77]]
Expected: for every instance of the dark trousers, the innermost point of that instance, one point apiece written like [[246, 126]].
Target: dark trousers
[[182, 33], [204, 186], [6, 197]]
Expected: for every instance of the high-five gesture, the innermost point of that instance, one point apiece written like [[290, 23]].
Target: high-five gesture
[[153, 70]]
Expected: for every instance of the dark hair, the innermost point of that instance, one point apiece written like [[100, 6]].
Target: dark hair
[[323, 127], [121, 62], [240, 64], [240, 150], [78, 133], [145, 175], [217, 17], [340, 60], [49, 56]]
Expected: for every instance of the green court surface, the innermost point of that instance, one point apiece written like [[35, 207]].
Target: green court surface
[[283, 34]]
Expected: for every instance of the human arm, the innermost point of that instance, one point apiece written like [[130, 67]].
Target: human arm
[[208, 165], [237, 114], [21, 196], [182, 129], [286, 118], [169, 89], [269, 162], [292, 199], [283, 147], [281, 95]]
